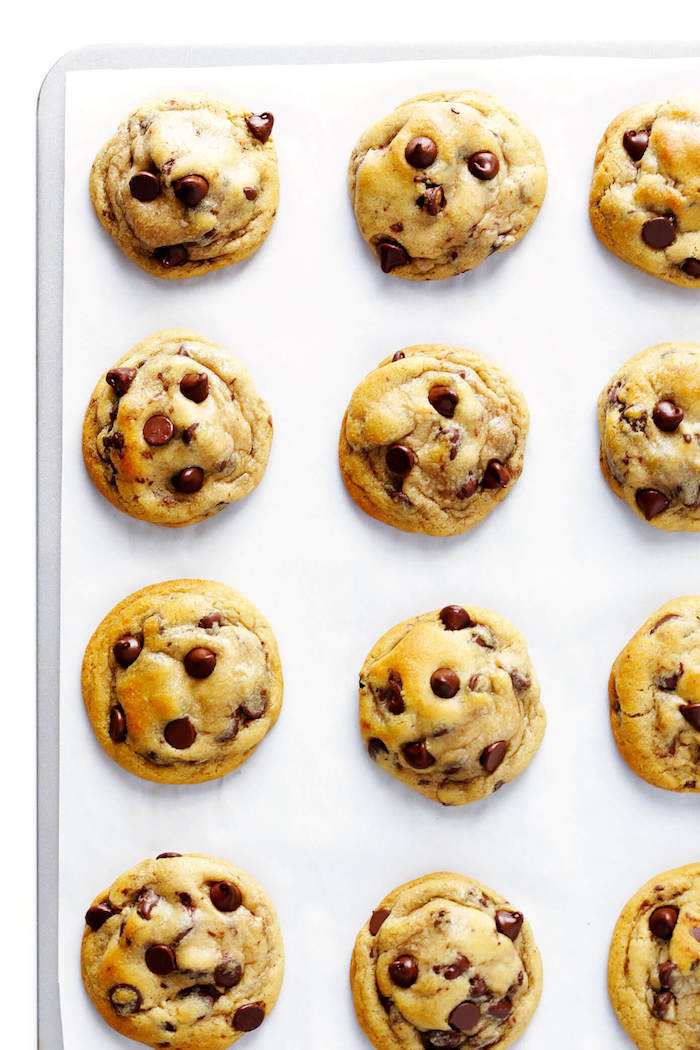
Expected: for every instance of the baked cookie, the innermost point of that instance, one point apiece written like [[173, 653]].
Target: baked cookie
[[188, 184], [444, 962], [645, 194], [183, 952], [176, 430], [433, 439], [182, 680], [655, 698], [443, 182], [649, 419], [450, 703], [654, 963]]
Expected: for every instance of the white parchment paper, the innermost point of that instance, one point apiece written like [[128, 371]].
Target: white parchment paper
[[309, 815]]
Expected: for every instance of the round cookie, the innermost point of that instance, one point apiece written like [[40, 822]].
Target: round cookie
[[445, 962], [433, 439], [182, 680], [654, 962], [443, 182], [645, 194], [654, 692], [176, 430], [184, 952], [188, 184], [450, 703], [649, 420]]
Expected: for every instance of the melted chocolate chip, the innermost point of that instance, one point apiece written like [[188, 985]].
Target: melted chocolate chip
[[225, 896], [662, 621], [492, 756], [662, 922], [394, 699], [465, 1016], [403, 971], [126, 649], [158, 430], [661, 1004], [171, 255], [398, 356], [691, 267], [195, 386], [200, 662], [189, 480], [167, 856], [391, 255], [439, 1040], [420, 152], [377, 747], [667, 416], [659, 232], [509, 923], [208, 621], [146, 903], [125, 999], [521, 682], [417, 755], [117, 724], [666, 973], [496, 476], [188, 433], [228, 974], [455, 618], [433, 200], [377, 920], [250, 193], [691, 713], [501, 1009], [98, 914], [444, 683], [651, 502], [144, 186], [115, 441], [400, 460], [160, 959], [456, 969], [120, 379], [260, 126], [635, 143], [483, 165], [180, 734], [668, 682], [191, 189], [249, 1017], [444, 400]]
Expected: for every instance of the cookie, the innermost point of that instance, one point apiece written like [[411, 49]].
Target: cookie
[[188, 184], [445, 962], [443, 182], [649, 419], [655, 698], [183, 952], [654, 962], [433, 439], [450, 703], [645, 194], [182, 680], [176, 430]]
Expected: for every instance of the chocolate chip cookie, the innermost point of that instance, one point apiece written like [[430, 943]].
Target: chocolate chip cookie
[[433, 439], [183, 952], [444, 962], [182, 680], [176, 430], [450, 703], [655, 697], [649, 419], [188, 184], [645, 194], [443, 182], [654, 963]]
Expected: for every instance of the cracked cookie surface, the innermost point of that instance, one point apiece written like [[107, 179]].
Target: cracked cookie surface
[[654, 693], [183, 952], [433, 439], [182, 680], [654, 962], [443, 182], [645, 194], [188, 184], [444, 962], [176, 430], [450, 703], [649, 421]]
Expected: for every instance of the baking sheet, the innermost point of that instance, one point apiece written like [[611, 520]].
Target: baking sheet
[[309, 816]]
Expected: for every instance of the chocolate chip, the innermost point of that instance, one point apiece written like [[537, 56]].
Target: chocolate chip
[[635, 142], [691, 267], [479, 988], [444, 400], [126, 649], [180, 734], [391, 255], [417, 755], [695, 932], [188, 433], [433, 200], [420, 152], [189, 480], [662, 922], [117, 724], [146, 903], [125, 999], [377, 920], [191, 189], [115, 441], [205, 991], [260, 126], [661, 1004], [120, 379], [398, 356], [228, 974], [160, 959], [659, 232], [98, 914], [468, 489], [404, 971], [465, 1016], [171, 255], [209, 620], [377, 747], [651, 502], [438, 1040], [667, 416], [456, 969], [500, 1010], [666, 972], [200, 662], [394, 699], [509, 923], [492, 756], [496, 476], [249, 1017], [195, 386], [668, 682], [400, 460], [483, 165], [691, 713], [144, 186], [455, 618], [250, 193], [158, 430], [521, 682], [662, 621], [225, 896], [167, 856], [444, 682]]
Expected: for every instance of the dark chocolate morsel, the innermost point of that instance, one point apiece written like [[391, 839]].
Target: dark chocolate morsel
[[120, 379], [200, 662], [225, 896], [160, 959], [191, 189], [249, 1017], [492, 756], [125, 999], [455, 618], [400, 460], [667, 415], [195, 386], [420, 152], [158, 430], [659, 232], [98, 914], [377, 920], [391, 255], [483, 165], [417, 755], [509, 923], [180, 734], [189, 480], [651, 502], [228, 974], [117, 724], [171, 255], [635, 143], [691, 713], [126, 649], [662, 922], [403, 971], [144, 186], [691, 267], [444, 683], [260, 125], [496, 476], [377, 747], [465, 1016]]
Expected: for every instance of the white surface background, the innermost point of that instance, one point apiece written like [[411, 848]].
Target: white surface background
[[325, 831], [35, 38]]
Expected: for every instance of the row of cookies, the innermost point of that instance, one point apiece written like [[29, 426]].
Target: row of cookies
[[433, 438], [186, 951], [189, 184]]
